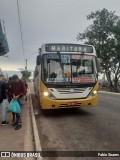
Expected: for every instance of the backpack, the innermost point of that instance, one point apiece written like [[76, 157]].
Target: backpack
[[1, 97]]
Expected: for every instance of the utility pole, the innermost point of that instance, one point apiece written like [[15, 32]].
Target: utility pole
[[26, 65], [26, 60]]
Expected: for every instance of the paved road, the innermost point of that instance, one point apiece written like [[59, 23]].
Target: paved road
[[83, 129]]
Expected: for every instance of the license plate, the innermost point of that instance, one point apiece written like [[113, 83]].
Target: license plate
[[72, 103]]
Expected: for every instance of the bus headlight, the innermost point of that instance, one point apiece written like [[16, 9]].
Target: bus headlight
[[93, 93], [45, 94], [49, 95]]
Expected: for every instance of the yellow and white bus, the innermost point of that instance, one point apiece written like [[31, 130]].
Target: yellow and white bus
[[66, 76]]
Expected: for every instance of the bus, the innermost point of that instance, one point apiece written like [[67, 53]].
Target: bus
[[66, 76]]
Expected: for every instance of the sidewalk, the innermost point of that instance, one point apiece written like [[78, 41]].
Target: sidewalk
[[18, 140]]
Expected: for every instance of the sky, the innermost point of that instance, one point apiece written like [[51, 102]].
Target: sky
[[44, 21]]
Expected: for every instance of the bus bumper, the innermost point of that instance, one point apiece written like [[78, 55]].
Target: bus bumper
[[47, 103]]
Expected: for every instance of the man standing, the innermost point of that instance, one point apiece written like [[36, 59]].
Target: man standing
[[3, 99], [18, 90]]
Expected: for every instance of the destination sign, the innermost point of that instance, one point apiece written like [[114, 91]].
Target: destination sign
[[68, 48]]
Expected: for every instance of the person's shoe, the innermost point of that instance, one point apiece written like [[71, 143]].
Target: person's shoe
[[4, 123], [18, 127], [14, 124]]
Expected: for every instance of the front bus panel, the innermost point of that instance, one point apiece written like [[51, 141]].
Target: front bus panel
[[48, 102], [68, 76]]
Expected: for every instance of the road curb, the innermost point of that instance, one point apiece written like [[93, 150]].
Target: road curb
[[35, 131], [109, 92]]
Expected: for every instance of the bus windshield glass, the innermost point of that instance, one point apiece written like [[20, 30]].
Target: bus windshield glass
[[68, 68]]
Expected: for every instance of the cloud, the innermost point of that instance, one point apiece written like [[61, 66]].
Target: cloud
[[45, 21]]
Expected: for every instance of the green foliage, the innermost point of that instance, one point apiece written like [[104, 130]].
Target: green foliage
[[104, 34], [25, 75]]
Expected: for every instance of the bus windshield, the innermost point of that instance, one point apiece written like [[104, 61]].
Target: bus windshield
[[68, 68]]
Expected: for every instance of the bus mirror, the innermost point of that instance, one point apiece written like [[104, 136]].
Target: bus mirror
[[38, 60], [39, 51], [98, 64]]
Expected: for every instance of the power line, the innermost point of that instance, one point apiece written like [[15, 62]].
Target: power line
[[21, 29]]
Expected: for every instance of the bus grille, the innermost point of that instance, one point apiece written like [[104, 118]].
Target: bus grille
[[70, 93], [69, 90]]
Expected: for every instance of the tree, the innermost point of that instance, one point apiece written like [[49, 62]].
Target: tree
[[104, 34], [25, 75]]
